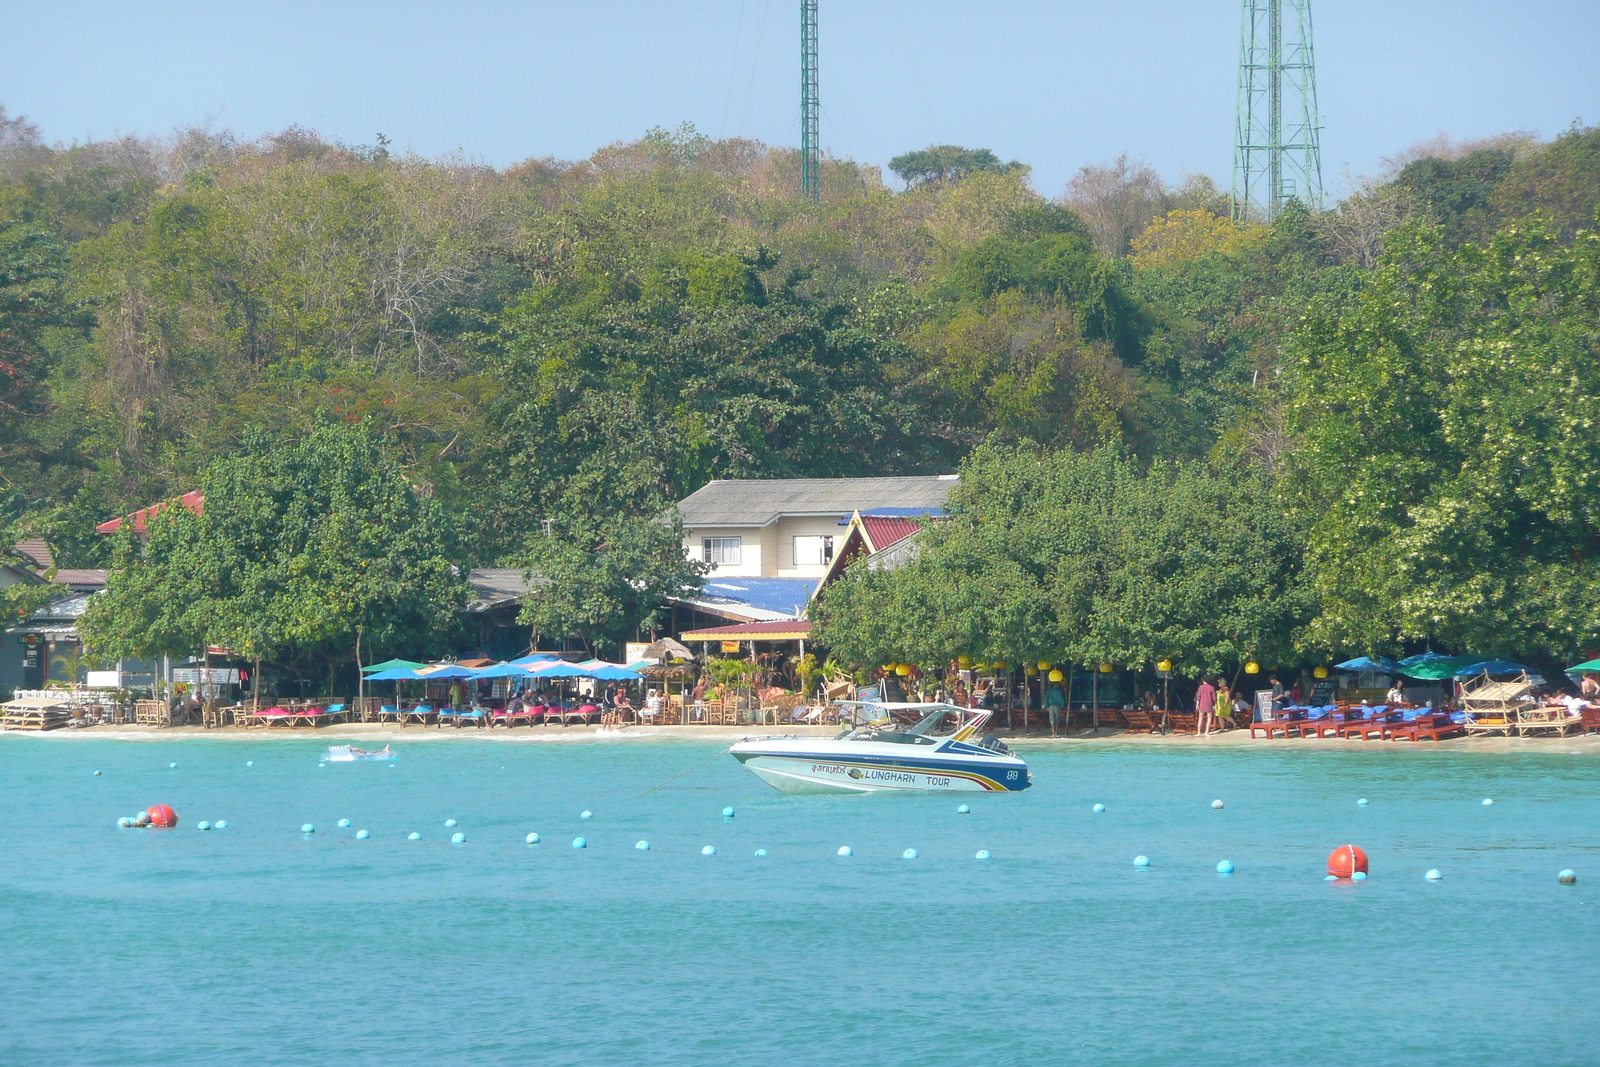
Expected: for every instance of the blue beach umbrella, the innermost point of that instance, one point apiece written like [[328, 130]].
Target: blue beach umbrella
[[560, 669], [449, 670], [1381, 665], [394, 674], [1425, 657], [535, 659], [503, 670], [1492, 666]]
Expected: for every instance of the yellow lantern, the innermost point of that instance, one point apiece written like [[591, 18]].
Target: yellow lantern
[[1164, 665], [1031, 670], [1252, 667], [1320, 672], [1044, 665], [1000, 665], [963, 662], [1056, 676], [1105, 668], [888, 668], [902, 670]]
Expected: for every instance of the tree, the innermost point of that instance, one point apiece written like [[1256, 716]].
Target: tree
[[603, 578], [1447, 460], [945, 163], [301, 549]]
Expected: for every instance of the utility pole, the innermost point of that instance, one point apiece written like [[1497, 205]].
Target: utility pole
[[810, 103], [1277, 152]]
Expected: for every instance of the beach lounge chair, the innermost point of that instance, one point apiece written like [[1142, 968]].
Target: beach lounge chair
[[1141, 721], [421, 714], [390, 713], [1183, 722], [1436, 726], [476, 715]]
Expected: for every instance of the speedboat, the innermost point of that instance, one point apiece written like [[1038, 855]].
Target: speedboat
[[349, 753], [889, 746]]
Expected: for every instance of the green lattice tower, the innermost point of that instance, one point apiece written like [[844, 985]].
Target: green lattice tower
[[1277, 154], [810, 103]]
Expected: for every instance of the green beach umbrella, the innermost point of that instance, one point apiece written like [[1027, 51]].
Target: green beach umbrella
[[391, 664], [1437, 670], [1587, 665]]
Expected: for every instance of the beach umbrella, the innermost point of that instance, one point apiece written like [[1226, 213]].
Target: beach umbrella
[[502, 670], [535, 659], [614, 672], [1381, 665], [1429, 656], [449, 670], [391, 664], [559, 669], [394, 674], [1586, 665], [1492, 666], [1438, 670]]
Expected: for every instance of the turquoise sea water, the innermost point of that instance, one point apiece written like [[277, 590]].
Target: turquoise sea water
[[260, 945]]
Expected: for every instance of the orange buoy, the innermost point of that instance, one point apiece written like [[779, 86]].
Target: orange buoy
[[1346, 861], [163, 816]]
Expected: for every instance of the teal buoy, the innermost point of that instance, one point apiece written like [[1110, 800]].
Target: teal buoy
[[1487, 801], [171, 766], [846, 850], [1225, 867], [1141, 861], [909, 854], [1216, 803], [202, 825], [1330, 878], [983, 854], [362, 835], [642, 846], [709, 850], [578, 842], [126, 822], [142, 819], [1361, 803], [448, 823], [413, 836], [532, 839], [1359, 876], [97, 774], [585, 814], [1567, 877], [760, 852], [343, 823], [1433, 875], [308, 829], [249, 763], [727, 813], [1099, 807], [458, 838], [220, 824], [963, 810]]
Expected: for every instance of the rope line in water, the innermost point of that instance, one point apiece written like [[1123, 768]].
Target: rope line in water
[[680, 774]]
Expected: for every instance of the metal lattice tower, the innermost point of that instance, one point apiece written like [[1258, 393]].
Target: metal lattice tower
[[1276, 149], [810, 103]]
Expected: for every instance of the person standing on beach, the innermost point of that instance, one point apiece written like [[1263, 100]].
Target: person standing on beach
[[1205, 702]]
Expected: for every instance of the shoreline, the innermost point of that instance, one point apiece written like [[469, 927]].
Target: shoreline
[[388, 733]]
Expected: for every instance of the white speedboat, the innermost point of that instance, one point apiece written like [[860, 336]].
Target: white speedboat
[[889, 747], [349, 753]]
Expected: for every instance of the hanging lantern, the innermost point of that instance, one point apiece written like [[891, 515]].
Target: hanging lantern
[[1252, 667], [888, 668], [1031, 670], [1044, 665], [963, 662], [902, 670], [1164, 666], [1056, 676], [1105, 668], [1000, 665], [1320, 673]]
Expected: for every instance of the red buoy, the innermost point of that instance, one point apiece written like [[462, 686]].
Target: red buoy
[[163, 816], [1343, 862]]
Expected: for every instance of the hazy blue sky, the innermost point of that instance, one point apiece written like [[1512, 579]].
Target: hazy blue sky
[[1056, 85]]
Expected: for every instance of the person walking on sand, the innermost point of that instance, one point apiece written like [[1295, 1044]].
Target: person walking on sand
[[1205, 702], [1221, 707]]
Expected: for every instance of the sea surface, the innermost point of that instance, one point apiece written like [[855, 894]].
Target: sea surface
[[258, 944]]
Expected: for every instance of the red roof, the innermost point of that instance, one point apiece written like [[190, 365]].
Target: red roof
[[783, 630], [194, 501], [885, 530]]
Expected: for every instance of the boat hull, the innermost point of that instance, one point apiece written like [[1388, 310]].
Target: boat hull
[[822, 772]]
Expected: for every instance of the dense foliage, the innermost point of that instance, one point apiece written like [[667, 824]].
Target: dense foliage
[[569, 347]]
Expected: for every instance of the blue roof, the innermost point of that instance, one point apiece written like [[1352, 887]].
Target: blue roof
[[782, 595]]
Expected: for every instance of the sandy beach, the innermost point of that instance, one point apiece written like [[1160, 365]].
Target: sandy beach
[[366, 734]]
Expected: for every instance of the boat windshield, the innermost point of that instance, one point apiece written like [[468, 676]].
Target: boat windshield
[[898, 726]]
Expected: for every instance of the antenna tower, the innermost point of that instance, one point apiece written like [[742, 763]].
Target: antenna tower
[[1276, 151], [810, 103]]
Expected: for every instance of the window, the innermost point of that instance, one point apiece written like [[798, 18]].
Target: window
[[813, 551], [720, 550]]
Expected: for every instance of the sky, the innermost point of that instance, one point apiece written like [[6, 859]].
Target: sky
[[1056, 85]]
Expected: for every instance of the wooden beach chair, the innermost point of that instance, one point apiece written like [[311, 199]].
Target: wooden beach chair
[[1141, 721], [421, 715], [1183, 722]]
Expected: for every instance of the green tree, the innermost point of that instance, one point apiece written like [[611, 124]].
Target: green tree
[[944, 163]]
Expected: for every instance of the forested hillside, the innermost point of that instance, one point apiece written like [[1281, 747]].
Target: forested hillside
[[583, 342]]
